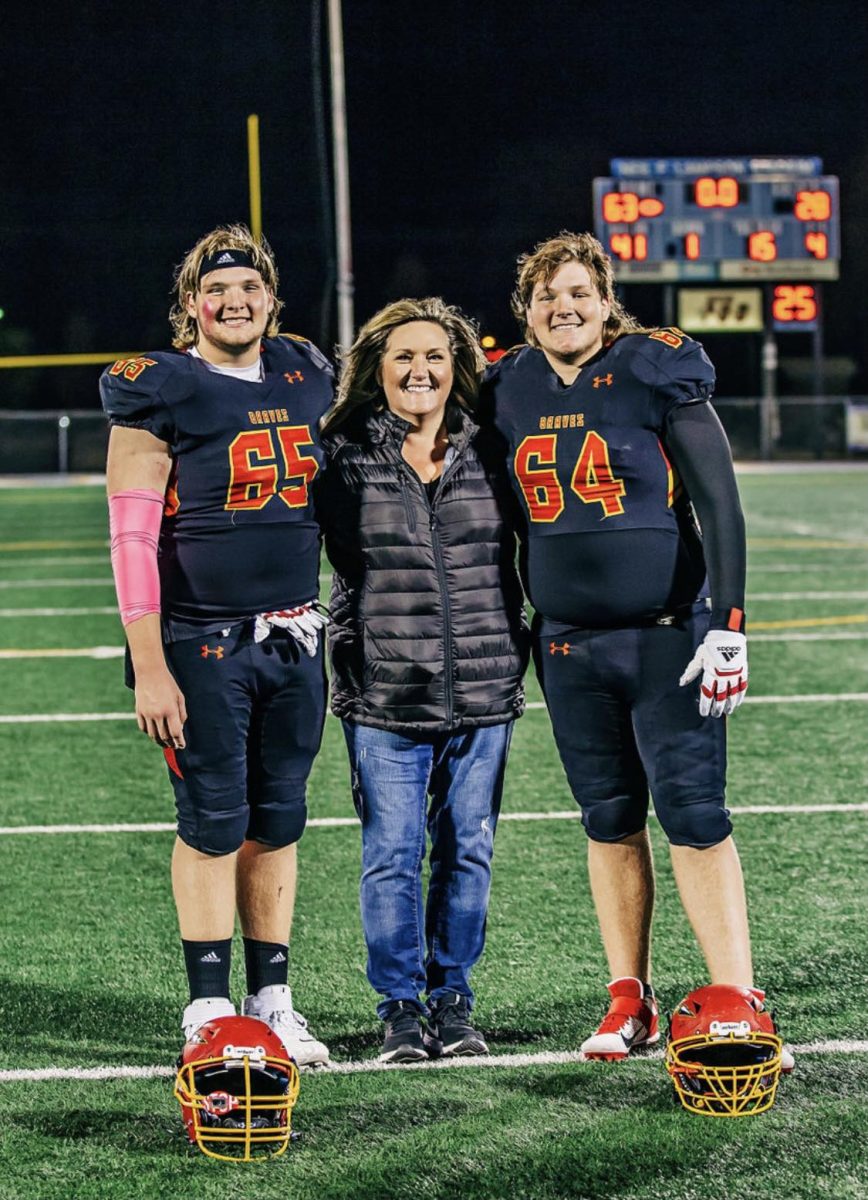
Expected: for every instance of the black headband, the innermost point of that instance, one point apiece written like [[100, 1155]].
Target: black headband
[[221, 259]]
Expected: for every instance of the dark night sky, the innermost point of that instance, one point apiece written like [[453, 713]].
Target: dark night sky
[[475, 130]]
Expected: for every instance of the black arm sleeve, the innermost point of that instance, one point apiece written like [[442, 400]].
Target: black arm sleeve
[[700, 451]]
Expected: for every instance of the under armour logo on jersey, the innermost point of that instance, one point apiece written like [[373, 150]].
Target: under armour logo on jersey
[[278, 958], [293, 376], [225, 258], [217, 651], [728, 652], [211, 957], [554, 648], [600, 379]]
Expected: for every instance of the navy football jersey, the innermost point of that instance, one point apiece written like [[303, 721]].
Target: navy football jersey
[[239, 535], [608, 532]]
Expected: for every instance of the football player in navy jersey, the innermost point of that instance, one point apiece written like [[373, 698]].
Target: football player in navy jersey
[[613, 447], [215, 550]]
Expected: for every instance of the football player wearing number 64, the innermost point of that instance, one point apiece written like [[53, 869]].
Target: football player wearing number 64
[[640, 647], [215, 551]]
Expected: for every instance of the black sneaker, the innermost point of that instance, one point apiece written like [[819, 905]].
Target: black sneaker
[[449, 1030], [403, 1041]]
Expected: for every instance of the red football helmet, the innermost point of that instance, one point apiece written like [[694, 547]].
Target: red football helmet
[[237, 1085], [724, 1053]]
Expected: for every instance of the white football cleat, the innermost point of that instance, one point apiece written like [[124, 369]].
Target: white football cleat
[[200, 1012], [273, 1005]]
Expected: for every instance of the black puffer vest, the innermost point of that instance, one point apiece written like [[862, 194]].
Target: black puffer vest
[[427, 631]]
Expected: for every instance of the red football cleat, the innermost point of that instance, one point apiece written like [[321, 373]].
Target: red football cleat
[[631, 1021]]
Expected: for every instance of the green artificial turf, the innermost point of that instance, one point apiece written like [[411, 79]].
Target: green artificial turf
[[92, 973]]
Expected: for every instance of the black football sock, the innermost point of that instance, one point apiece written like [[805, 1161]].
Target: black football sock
[[266, 963], [207, 966]]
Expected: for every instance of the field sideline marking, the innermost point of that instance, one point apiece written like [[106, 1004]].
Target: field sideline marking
[[48, 718], [345, 822], [368, 1065]]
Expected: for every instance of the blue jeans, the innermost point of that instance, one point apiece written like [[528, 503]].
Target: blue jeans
[[415, 948]]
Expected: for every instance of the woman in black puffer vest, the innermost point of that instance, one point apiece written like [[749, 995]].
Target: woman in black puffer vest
[[428, 649]]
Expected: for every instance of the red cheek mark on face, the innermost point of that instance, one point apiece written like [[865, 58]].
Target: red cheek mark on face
[[210, 309]]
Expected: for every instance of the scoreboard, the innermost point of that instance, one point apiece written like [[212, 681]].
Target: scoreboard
[[731, 219]]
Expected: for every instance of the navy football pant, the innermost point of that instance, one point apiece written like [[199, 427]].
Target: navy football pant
[[254, 724], [623, 725]]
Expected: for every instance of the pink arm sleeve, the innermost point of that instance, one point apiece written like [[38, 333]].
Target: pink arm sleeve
[[134, 522]]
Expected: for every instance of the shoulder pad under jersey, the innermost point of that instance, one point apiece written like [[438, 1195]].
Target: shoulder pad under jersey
[[506, 360], [136, 391], [301, 345], [672, 363]]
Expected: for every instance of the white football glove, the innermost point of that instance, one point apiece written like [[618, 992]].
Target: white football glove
[[722, 659], [303, 622]]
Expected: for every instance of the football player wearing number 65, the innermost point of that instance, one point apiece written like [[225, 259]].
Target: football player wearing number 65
[[612, 446], [215, 550]]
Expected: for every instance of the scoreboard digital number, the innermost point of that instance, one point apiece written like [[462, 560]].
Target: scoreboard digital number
[[680, 220]]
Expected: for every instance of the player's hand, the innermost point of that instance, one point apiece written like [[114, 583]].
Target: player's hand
[[722, 659], [160, 708], [304, 623]]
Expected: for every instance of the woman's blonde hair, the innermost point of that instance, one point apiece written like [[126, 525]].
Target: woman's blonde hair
[[359, 384], [544, 261], [225, 237]]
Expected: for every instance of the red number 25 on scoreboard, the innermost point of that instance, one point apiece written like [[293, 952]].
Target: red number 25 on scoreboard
[[254, 472]]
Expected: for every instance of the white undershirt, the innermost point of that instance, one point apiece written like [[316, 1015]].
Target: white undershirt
[[255, 373]]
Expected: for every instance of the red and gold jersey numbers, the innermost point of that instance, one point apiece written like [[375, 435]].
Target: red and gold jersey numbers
[[269, 462], [670, 336], [131, 368], [537, 476], [592, 480]]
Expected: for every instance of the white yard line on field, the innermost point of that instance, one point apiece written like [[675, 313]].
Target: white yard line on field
[[70, 581], [854, 636], [108, 610], [76, 652], [802, 568], [50, 718], [66, 560], [806, 596], [349, 822], [543, 1058]]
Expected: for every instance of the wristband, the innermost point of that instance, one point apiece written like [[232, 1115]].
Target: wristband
[[730, 619], [134, 522]]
